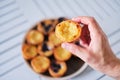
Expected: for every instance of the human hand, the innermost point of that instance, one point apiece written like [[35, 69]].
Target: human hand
[[95, 50]]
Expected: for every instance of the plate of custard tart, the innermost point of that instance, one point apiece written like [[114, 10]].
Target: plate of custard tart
[[42, 51]]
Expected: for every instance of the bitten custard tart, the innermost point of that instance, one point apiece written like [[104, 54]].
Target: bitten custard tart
[[68, 31], [29, 51], [40, 64], [61, 54], [57, 68], [35, 37]]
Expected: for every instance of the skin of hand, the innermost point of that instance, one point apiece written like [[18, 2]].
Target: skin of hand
[[95, 51]]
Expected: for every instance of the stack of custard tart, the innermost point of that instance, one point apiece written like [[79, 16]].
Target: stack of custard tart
[[42, 50]]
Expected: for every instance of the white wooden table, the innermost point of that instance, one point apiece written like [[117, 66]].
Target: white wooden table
[[17, 16]]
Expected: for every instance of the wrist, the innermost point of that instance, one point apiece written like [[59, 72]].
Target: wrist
[[115, 69]]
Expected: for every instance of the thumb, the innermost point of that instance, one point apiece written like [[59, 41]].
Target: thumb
[[74, 49]]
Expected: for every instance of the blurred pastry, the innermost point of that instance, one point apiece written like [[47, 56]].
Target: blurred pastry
[[40, 28], [68, 31], [46, 26], [57, 68], [34, 37], [61, 19], [53, 39], [61, 54], [29, 51], [40, 64], [45, 49]]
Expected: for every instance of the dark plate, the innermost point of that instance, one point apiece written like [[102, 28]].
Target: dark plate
[[73, 64]]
